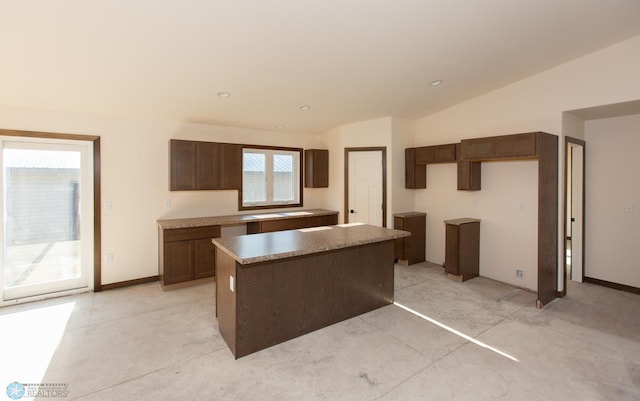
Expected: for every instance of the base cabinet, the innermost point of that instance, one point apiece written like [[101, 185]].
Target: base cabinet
[[186, 254], [410, 250], [462, 248], [293, 223]]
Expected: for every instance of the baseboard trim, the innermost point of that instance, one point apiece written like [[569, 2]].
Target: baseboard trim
[[621, 287], [128, 283]]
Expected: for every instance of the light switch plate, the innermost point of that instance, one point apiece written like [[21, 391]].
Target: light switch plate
[[628, 208]]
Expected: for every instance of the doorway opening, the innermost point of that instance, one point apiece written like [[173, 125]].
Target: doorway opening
[[365, 181], [49, 231], [574, 212]]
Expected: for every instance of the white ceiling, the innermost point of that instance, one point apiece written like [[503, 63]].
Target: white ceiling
[[350, 60]]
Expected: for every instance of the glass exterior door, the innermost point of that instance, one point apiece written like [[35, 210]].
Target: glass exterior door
[[47, 218]]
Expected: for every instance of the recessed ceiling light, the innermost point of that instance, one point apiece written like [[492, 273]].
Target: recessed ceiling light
[[280, 126], [224, 95], [305, 107], [436, 82]]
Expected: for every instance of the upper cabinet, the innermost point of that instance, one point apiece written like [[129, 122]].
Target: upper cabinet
[[316, 168], [436, 154], [415, 175], [196, 165], [517, 146]]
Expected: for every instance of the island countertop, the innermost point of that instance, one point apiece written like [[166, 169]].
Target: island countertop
[[248, 249], [239, 218]]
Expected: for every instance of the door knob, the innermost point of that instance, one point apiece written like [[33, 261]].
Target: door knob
[[352, 211]]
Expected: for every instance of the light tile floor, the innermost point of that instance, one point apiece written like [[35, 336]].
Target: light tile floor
[[139, 343]]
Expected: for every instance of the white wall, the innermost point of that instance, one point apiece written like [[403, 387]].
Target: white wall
[[612, 182], [393, 133], [134, 175], [508, 238]]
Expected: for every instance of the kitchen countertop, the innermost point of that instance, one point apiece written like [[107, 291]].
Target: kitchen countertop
[[464, 220], [239, 218], [409, 214], [248, 249]]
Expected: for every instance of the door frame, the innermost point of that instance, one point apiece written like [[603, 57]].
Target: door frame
[[97, 217], [347, 151], [568, 141]]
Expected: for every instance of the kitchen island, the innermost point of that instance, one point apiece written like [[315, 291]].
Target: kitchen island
[[273, 287]]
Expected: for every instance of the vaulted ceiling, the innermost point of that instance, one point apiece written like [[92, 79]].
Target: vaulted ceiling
[[348, 60]]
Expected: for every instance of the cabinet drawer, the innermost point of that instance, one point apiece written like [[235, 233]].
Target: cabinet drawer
[[276, 225], [328, 220], [398, 222], [181, 234]]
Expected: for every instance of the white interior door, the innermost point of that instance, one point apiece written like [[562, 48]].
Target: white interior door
[[365, 187], [47, 217], [577, 180]]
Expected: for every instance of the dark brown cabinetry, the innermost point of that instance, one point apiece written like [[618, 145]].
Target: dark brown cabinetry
[[517, 146], [316, 168], [462, 248], [415, 175], [469, 177], [186, 254], [230, 166], [196, 165], [292, 223], [410, 250], [436, 154]]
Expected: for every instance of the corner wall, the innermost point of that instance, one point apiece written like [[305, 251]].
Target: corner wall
[[612, 184], [508, 238]]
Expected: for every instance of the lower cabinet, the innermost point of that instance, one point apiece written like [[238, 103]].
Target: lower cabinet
[[462, 248], [186, 254], [292, 223], [410, 250]]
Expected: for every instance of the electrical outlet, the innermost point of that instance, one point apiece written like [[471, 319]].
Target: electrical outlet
[[519, 273], [522, 206], [628, 208], [475, 203], [167, 203], [108, 258]]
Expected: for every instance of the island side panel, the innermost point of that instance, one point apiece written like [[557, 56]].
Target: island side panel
[[270, 304], [283, 299], [226, 298], [347, 283]]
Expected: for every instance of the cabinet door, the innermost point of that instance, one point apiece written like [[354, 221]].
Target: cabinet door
[[469, 177], [445, 153], [316, 168], [230, 166], [207, 162], [182, 159], [451, 259], [415, 175], [178, 261], [204, 258], [425, 155]]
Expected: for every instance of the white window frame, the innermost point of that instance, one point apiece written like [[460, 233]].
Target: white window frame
[[270, 177]]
